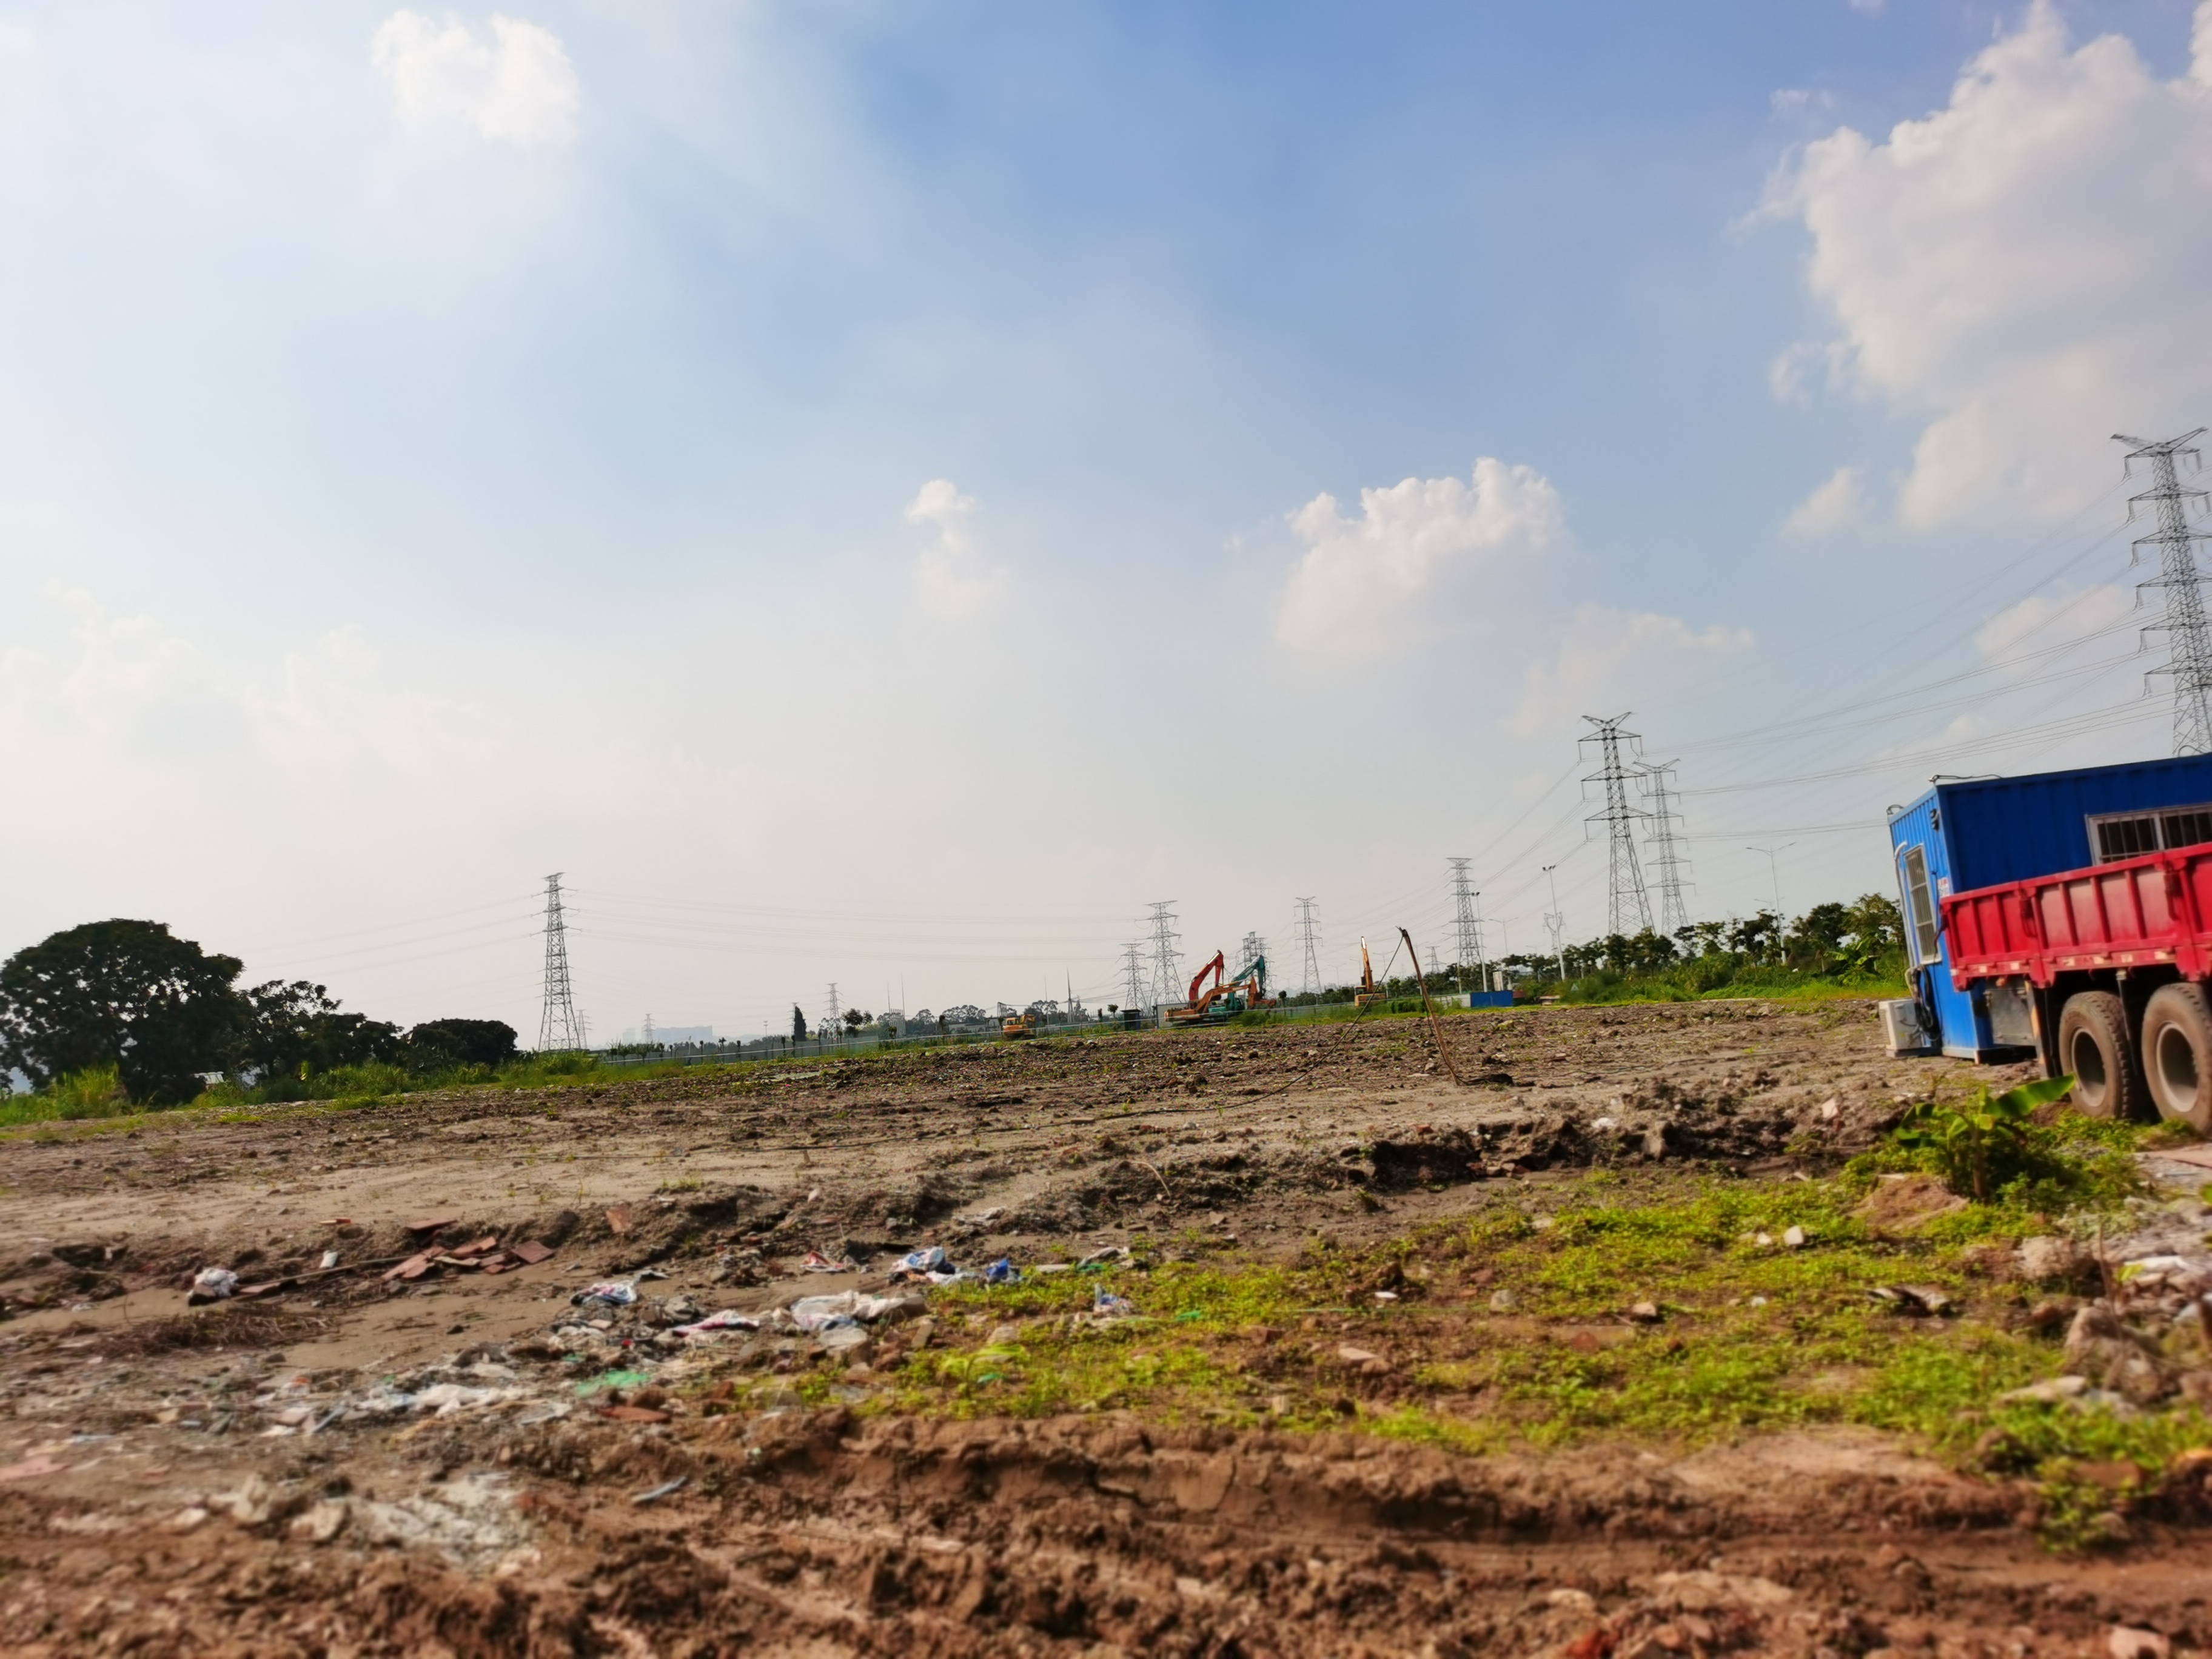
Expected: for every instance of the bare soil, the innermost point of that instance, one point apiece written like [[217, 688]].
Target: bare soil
[[236, 1478]]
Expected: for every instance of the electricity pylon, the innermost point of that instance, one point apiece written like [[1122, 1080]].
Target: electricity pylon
[[2189, 646]]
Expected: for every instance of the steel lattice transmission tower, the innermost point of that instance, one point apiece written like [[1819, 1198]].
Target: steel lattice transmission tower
[[559, 1030], [1133, 972], [1467, 916], [1167, 967], [1309, 946], [836, 1013], [1628, 910], [1254, 949], [1668, 866], [2189, 646]]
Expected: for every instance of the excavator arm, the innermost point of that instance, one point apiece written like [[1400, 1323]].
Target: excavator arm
[[1217, 968]]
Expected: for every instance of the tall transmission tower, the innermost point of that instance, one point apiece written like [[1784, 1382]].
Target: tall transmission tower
[[1167, 966], [1668, 864], [1253, 949], [1555, 921], [1309, 946], [1628, 910], [559, 1030], [830, 1020], [1132, 974], [2189, 661], [1467, 916]]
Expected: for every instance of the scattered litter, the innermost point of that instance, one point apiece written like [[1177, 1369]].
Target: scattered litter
[[665, 1489], [1386, 1296], [618, 1217], [1793, 1238], [1645, 1313], [822, 1313], [329, 1259], [1104, 1304], [613, 1292], [932, 1259], [1002, 1272], [1913, 1298], [2128, 1642], [1829, 1107], [817, 1262], [729, 1319], [1053, 1267], [1352, 1356], [212, 1284], [1112, 1256], [2049, 1392], [1759, 1302], [613, 1380], [1763, 1240]]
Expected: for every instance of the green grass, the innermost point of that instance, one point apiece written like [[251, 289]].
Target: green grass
[[1751, 1338]]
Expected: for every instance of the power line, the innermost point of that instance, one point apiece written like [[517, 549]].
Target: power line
[[1309, 946], [1666, 864], [1627, 908], [2189, 644], [559, 1031]]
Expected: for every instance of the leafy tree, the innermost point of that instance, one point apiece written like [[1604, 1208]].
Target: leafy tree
[[855, 1019], [444, 1045], [798, 1024], [1876, 926], [124, 993], [284, 1028], [1756, 937]]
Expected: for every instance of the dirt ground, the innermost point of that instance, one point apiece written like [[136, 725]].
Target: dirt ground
[[457, 1461]]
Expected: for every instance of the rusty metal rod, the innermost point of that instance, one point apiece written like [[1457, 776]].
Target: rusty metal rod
[[1434, 1025]]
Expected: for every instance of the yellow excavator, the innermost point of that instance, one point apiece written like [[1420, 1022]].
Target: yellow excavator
[[1367, 996]]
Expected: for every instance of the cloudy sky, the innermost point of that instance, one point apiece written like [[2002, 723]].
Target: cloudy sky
[[880, 492]]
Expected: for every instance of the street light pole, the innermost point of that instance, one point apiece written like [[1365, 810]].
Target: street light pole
[[1773, 870]]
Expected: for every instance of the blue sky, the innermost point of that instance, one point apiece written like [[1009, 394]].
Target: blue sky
[[845, 483]]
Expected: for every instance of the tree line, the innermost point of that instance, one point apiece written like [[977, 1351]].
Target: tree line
[[165, 1015]]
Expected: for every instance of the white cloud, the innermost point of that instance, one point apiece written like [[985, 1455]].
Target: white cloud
[[1607, 659], [954, 576], [517, 88], [2040, 621], [1425, 558], [1836, 504], [2023, 269]]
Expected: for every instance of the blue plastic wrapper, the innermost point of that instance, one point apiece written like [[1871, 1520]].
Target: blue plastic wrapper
[[1002, 1272], [931, 1260]]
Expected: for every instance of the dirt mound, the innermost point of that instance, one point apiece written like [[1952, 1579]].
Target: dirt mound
[[812, 1533]]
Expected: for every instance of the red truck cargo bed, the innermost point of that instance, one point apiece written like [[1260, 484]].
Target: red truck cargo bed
[[2133, 914]]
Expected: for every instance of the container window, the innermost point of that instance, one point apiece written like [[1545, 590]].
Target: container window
[[2130, 834], [2189, 829], [1920, 906]]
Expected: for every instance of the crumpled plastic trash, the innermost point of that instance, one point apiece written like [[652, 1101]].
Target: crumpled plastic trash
[[820, 1313], [214, 1284], [817, 1262], [1110, 1256], [930, 1260], [728, 1320], [1107, 1306], [1002, 1272], [615, 1292]]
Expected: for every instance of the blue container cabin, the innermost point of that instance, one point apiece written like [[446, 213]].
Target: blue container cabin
[[1966, 833]]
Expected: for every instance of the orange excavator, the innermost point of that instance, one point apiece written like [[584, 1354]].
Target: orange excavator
[[1226, 997], [1367, 996]]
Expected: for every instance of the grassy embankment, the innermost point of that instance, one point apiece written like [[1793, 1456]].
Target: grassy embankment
[[1514, 1327]]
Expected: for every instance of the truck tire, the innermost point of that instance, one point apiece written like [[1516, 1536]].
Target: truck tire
[[2093, 1044], [2177, 1051]]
